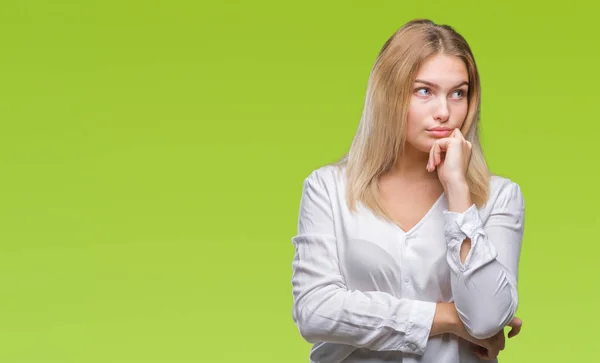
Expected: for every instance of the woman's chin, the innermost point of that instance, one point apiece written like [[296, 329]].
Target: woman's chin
[[425, 147], [422, 146]]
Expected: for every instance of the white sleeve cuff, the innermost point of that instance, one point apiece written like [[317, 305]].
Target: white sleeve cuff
[[460, 226], [465, 224], [418, 329]]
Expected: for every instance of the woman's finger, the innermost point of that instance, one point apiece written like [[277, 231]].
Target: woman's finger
[[491, 353], [436, 151], [430, 160], [482, 352], [479, 353], [515, 325], [456, 134], [438, 155], [444, 143]]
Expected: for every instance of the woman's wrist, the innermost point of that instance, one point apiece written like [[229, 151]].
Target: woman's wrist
[[446, 319], [458, 195]]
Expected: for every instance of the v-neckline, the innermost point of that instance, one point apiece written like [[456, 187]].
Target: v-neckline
[[422, 220]]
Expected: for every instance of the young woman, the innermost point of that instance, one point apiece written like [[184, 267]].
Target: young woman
[[408, 247]]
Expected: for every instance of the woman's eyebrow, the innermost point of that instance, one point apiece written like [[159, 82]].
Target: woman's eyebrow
[[436, 86]]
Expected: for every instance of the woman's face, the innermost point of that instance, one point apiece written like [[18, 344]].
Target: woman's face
[[439, 101]]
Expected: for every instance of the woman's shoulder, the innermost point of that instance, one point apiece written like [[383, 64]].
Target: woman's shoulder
[[327, 174], [329, 180], [504, 191]]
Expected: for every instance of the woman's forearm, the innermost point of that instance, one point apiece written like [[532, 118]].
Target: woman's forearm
[[483, 286], [444, 320], [459, 200]]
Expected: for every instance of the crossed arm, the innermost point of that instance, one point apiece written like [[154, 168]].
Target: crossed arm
[[484, 275]]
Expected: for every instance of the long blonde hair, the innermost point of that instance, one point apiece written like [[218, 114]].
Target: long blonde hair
[[381, 133]]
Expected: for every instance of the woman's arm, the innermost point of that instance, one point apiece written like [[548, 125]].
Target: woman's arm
[[484, 258], [325, 310]]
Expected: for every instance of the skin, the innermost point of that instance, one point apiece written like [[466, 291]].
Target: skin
[[440, 100]]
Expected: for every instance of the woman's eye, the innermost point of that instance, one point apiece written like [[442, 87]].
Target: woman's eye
[[423, 92], [458, 94]]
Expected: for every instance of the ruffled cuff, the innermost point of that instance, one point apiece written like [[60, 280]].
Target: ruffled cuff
[[458, 227]]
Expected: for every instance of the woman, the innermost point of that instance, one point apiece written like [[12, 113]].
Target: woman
[[408, 248]]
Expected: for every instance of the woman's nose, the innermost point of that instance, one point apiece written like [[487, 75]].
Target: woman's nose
[[442, 113]]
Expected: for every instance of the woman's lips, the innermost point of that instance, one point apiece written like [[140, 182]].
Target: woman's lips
[[439, 133]]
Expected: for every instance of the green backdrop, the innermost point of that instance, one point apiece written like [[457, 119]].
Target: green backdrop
[[152, 155]]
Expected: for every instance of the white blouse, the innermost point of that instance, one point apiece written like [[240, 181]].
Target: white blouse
[[366, 291]]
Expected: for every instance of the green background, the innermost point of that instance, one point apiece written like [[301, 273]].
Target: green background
[[152, 155]]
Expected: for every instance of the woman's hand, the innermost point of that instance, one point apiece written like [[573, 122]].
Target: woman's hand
[[448, 321], [488, 349], [451, 157]]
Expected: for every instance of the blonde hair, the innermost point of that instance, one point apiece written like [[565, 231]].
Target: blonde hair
[[381, 133]]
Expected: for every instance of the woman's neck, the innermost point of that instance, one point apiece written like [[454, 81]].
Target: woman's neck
[[411, 165]]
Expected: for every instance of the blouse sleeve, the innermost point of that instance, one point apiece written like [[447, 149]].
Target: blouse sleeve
[[325, 310], [484, 287]]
